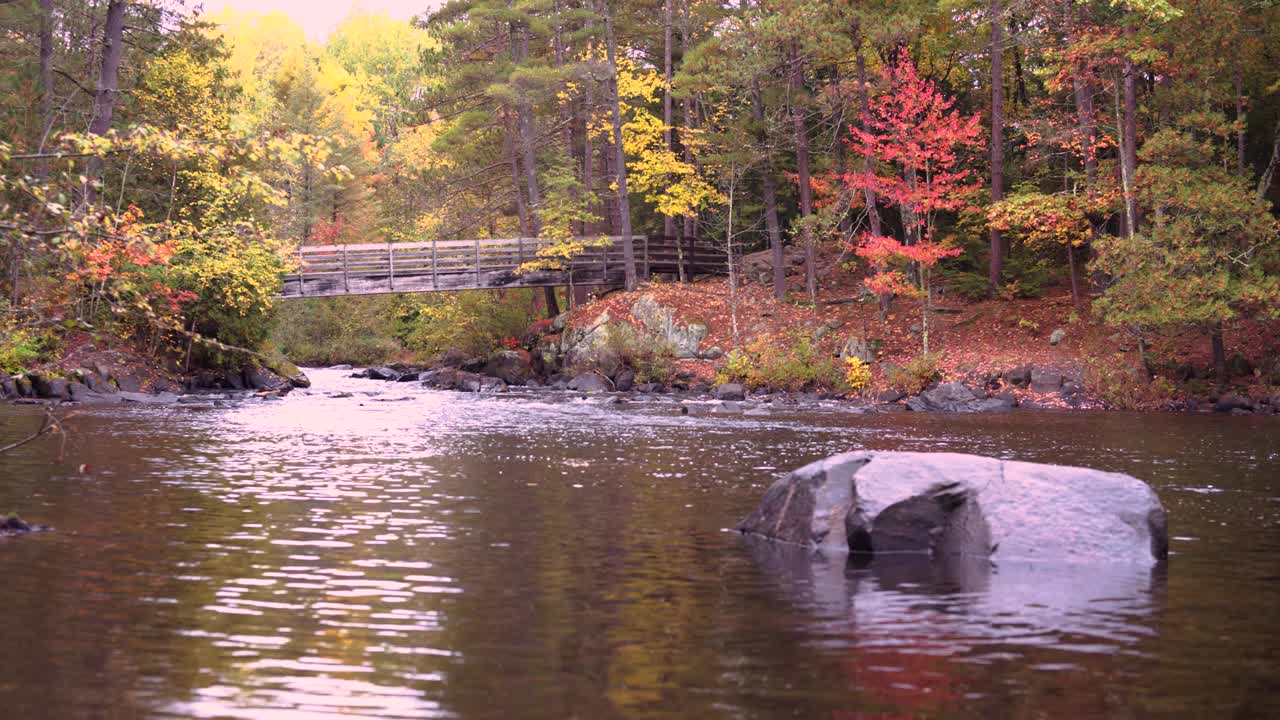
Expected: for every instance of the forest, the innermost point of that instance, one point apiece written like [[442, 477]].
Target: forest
[[159, 166]]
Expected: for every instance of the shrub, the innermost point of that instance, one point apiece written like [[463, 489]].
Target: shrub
[[652, 359], [914, 377], [473, 322], [790, 362], [20, 349], [1024, 278], [326, 331], [1124, 387], [857, 374]]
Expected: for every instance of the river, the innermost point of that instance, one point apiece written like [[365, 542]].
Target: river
[[377, 550]]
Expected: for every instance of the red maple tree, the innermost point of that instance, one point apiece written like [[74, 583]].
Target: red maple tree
[[916, 139]]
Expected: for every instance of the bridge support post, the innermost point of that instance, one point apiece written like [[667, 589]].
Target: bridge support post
[[346, 273], [391, 267], [477, 262], [302, 278], [435, 274], [646, 257]]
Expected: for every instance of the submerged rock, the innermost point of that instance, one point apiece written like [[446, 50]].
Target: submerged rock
[[14, 525], [952, 504]]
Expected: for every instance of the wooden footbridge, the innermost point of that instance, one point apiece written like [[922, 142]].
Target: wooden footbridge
[[379, 268]]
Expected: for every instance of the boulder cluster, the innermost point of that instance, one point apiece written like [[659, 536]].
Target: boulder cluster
[[104, 384]]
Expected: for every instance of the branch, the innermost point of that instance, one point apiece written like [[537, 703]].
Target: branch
[[1264, 183], [51, 425]]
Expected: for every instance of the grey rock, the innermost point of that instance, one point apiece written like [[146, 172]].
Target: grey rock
[[1018, 377], [512, 367], [890, 396], [659, 321], [14, 525], [712, 353], [727, 408], [245, 379], [382, 373], [624, 380], [450, 379], [583, 346], [1045, 381], [1057, 336], [77, 391], [861, 348], [343, 366], [956, 397], [589, 382], [1071, 389], [128, 383], [51, 388], [951, 504], [8, 389], [98, 382], [729, 391], [827, 328], [1232, 402], [258, 378], [650, 388]]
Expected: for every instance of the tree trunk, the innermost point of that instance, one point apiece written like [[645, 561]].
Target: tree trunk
[[588, 156], [46, 78], [769, 191], [509, 149], [996, 269], [1219, 353], [864, 110], [1129, 143], [519, 51], [1240, 125], [868, 194], [104, 100], [624, 203], [689, 225], [668, 222], [802, 172], [1264, 182]]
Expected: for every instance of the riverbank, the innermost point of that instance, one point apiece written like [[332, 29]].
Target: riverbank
[[89, 369], [1038, 352], [988, 356]]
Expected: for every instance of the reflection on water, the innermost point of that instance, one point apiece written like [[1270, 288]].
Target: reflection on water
[[370, 549]]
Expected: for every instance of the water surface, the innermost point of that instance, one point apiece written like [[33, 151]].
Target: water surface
[[375, 550]]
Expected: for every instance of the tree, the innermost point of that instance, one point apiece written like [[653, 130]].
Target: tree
[[914, 131], [1209, 253]]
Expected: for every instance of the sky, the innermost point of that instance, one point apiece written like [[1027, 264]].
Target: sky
[[318, 17]]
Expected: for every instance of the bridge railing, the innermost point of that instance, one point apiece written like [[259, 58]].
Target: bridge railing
[[466, 264]]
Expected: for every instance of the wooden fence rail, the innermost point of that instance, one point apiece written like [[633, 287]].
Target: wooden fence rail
[[372, 269]]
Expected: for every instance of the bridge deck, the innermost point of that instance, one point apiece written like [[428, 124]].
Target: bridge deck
[[372, 269]]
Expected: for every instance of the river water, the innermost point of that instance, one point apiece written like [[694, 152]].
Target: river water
[[375, 550]]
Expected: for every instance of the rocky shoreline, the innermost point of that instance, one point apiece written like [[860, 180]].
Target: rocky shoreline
[[1027, 388], [110, 385]]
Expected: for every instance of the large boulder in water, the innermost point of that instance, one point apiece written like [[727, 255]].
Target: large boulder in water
[[952, 504]]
